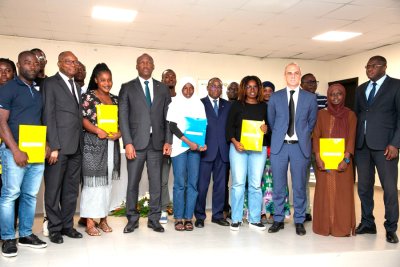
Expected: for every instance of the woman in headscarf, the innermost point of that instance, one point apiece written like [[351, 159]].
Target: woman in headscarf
[[185, 153], [334, 212], [101, 154]]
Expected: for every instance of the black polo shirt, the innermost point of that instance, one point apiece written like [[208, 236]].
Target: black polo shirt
[[24, 103]]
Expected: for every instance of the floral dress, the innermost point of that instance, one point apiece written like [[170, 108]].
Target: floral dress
[[100, 164], [267, 189]]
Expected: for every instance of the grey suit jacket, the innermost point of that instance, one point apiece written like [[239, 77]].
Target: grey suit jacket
[[383, 116], [136, 117], [62, 115], [305, 118]]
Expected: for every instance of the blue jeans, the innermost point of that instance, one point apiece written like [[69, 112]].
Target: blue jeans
[[186, 175], [23, 183], [248, 164]]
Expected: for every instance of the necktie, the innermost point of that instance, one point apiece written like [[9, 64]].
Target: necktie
[[71, 82], [147, 90], [216, 106], [371, 94], [290, 130]]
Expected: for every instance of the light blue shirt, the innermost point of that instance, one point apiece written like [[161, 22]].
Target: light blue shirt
[[378, 85]]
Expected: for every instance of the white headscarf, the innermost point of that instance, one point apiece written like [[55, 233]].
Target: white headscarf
[[182, 107]]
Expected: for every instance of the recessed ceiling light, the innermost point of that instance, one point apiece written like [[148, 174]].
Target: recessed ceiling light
[[336, 36], [113, 14]]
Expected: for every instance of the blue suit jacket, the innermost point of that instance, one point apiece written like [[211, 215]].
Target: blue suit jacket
[[215, 135], [305, 118]]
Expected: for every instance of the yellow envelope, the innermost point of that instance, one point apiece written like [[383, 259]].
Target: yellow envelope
[[107, 118], [331, 152], [32, 140], [252, 136]]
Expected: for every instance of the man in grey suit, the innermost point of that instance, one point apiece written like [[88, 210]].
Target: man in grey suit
[[377, 107], [143, 106], [291, 115], [62, 115]]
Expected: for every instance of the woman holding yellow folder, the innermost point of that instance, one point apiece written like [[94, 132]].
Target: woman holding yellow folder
[[246, 163], [101, 156], [334, 191]]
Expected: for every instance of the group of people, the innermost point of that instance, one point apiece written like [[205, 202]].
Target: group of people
[[154, 124]]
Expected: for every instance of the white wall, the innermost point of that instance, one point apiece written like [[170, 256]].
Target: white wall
[[200, 66]]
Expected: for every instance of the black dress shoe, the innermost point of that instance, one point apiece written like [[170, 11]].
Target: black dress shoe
[[276, 226], [300, 230], [391, 237], [308, 217], [72, 233], [131, 226], [156, 226], [56, 237], [221, 222], [363, 229], [199, 223]]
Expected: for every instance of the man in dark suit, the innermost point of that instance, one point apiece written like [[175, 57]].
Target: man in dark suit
[[143, 106], [291, 115], [377, 107], [215, 159], [62, 115]]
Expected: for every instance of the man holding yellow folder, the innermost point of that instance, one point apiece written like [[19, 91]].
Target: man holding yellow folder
[[20, 104]]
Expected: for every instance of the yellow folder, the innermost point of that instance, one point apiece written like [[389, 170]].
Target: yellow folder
[[32, 140], [252, 136], [107, 118], [331, 152]]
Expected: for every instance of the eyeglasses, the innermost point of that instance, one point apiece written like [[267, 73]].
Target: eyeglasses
[[311, 82], [216, 87], [71, 62], [373, 66], [252, 87], [41, 58]]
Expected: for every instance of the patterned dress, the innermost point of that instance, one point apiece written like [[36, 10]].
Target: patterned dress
[[267, 189], [96, 190]]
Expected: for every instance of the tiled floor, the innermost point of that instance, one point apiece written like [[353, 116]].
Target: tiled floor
[[213, 245]]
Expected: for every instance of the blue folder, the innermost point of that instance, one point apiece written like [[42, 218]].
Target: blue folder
[[195, 131]]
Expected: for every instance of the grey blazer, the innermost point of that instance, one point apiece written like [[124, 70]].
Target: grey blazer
[[383, 116], [62, 115], [136, 117]]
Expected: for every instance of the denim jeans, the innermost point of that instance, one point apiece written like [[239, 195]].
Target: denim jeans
[[248, 164], [186, 175], [23, 183]]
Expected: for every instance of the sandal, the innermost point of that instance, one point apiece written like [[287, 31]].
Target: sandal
[[179, 226], [188, 226], [93, 231], [105, 227]]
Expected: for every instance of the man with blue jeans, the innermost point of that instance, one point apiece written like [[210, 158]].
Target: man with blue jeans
[[20, 103]]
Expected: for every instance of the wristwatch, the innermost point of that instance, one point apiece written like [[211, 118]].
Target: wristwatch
[[347, 160]]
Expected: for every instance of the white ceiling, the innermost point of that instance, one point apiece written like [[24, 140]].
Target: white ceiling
[[258, 28]]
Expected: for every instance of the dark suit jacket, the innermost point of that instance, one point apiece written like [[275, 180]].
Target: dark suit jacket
[[62, 115], [305, 118], [383, 116], [215, 135], [136, 117]]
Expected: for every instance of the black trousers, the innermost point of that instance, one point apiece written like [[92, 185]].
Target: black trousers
[[153, 159], [366, 161], [62, 190]]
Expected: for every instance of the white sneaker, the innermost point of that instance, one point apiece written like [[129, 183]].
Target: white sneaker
[[45, 229], [164, 217], [257, 226]]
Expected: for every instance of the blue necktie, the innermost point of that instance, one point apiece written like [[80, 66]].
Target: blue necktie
[[147, 90], [216, 106], [371, 94]]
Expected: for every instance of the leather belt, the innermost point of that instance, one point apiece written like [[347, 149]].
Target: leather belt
[[290, 142]]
